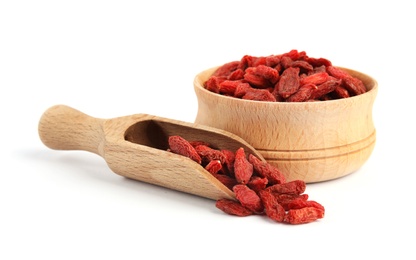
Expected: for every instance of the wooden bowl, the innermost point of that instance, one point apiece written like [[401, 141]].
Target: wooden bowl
[[311, 141]]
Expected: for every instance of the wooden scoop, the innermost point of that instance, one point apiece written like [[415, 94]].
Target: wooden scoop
[[136, 147]]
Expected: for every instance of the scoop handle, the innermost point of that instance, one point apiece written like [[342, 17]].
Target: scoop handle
[[64, 128]]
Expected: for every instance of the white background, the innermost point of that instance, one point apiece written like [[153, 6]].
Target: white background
[[116, 58]]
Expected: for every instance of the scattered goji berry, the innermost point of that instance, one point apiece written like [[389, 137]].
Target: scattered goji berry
[[259, 187], [285, 199], [248, 198], [257, 183], [303, 215], [233, 207], [299, 203], [272, 208], [292, 187]]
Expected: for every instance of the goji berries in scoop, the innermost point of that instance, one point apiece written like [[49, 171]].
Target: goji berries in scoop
[[287, 77], [259, 187]]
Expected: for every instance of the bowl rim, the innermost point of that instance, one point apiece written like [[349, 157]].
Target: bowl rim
[[372, 91]]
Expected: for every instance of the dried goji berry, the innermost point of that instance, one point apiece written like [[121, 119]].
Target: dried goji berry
[[228, 181], [303, 215], [213, 166], [286, 61], [236, 75], [248, 198], [242, 89], [273, 60], [265, 169], [299, 203], [227, 87], [256, 80], [243, 169], [292, 187], [232, 207], [340, 92], [259, 187], [325, 88], [269, 73], [179, 145], [229, 161], [208, 154], [259, 95], [316, 78], [276, 72], [318, 62], [226, 69], [302, 65], [257, 183], [337, 72], [353, 85], [195, 143], [304, 93], [285, 199], [289, 82], [213, 84], [272, 208]]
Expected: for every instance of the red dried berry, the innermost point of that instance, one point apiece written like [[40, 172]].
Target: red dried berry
[[325, 88], [316, 78], [259, 187], [303, 215], [237, 74], [208, 154], [303, 94], [180, 146], [256, 80], [226, 69], [340, 92], [292, 187], [353, 85], [213, 166], [285, 199], [264, 169], [229, 161], [299, 203], [272, 208], [232, 207], [257, 183], [289, 82], [243, 169], [248, 198], [259, 95]]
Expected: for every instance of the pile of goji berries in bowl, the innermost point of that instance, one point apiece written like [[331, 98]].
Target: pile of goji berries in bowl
[[307, 117]]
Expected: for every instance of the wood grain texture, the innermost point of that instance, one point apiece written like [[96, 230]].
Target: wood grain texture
[[135, 147], [312, 141]]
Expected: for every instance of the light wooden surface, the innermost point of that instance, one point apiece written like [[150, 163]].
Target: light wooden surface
[[135, 147], [312, 141]]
